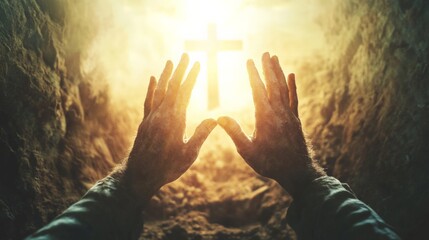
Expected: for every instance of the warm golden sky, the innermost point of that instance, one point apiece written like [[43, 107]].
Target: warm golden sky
[[135, 38]]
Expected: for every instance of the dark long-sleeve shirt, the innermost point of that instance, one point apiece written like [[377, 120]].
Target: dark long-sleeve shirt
[[326, 210], [106, 211], [329, 209]]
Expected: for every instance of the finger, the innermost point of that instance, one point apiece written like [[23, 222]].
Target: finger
[[201, 133], [284, 91], [162, 84], [149, 97], [233, 128], [260, 98], [273, 87], [176, 80], [293, 96], [185, 91]]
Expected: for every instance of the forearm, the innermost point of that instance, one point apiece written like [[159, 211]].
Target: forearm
[[109, 210], [329, 210], [112, 208]]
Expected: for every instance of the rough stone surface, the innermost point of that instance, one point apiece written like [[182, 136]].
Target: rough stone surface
[[370, 118], [365, 105], [56, 131]]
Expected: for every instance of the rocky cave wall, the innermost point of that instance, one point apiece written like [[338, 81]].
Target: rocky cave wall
[[365, 106], [371, 95], [56, 129]]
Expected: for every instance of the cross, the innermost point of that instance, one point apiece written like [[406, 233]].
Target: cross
[[212, 45]]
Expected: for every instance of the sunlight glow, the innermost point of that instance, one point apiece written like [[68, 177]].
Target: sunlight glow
[[131, 41], [232, 79], [136, 38], [206, 11]]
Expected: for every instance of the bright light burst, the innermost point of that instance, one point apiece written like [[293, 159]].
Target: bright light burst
[[135, 39], [233, 87]]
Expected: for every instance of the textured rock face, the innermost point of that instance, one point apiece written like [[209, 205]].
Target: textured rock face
[[373, 107], [365, 106], [50, 149]]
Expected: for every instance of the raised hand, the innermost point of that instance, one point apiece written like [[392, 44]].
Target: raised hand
[[277, 148], [160, 153]]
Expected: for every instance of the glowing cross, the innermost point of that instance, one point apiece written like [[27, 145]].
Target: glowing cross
[[212, 45]]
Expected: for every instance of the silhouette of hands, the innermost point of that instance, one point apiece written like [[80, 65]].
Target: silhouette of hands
[[160, 153], [277, 148]]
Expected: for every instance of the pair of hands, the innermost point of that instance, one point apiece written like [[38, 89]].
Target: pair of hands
[[277, 148]]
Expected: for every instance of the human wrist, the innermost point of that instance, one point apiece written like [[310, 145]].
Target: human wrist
[[296, 182], [140, 190]]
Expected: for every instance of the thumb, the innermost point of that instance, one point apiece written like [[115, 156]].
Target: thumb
[[201, 133], [233, 128]]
